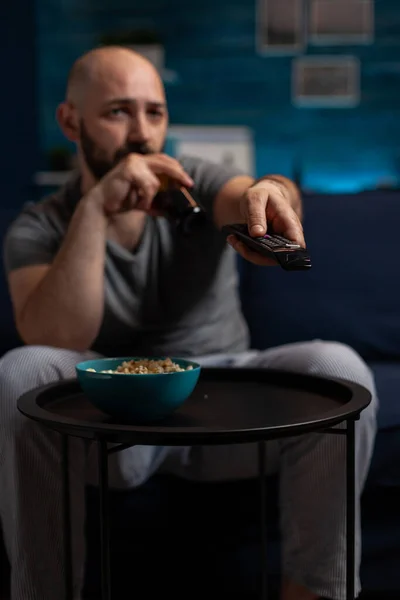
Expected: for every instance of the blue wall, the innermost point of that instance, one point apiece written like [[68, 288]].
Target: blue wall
[[211, 45]]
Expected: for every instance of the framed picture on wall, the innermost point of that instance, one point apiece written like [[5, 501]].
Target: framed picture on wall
[[279, 25], [231, 146], [333, 22], [326, 81]]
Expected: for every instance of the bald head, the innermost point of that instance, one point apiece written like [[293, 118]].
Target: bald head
[[106, 63]]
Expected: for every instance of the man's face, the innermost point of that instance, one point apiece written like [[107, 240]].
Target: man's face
[[99, 160], [124, 111]]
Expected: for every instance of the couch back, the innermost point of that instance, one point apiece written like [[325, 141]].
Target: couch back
[[352, 293]]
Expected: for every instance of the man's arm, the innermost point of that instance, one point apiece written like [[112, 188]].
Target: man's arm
[[227, 207], [61, 304]]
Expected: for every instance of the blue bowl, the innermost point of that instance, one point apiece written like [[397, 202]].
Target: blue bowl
[[136, 398]]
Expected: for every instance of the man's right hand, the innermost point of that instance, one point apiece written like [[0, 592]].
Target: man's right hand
[[135, 181]]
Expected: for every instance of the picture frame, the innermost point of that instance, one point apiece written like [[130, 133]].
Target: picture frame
[[326, 81], [280, 26], [341, 22]]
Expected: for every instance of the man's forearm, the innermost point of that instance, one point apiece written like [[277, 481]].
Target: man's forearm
[[66, 309]]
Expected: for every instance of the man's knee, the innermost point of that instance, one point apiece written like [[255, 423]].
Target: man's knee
[[39, 363], [335, 359], [27, 367], [324, 358]]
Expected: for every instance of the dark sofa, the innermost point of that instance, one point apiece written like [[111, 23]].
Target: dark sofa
[[202, 540]]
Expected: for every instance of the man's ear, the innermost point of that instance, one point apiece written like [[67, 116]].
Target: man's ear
[[68, 121]]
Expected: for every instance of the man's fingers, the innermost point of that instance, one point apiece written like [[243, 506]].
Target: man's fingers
[[169, 168], [148, 189], [135, 181], [287, 223], [144, 184], [254, 207]]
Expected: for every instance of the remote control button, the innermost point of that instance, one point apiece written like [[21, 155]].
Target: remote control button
[[277, 245], [285, 241], [270, 241]]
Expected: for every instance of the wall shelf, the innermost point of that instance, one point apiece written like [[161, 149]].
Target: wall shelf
[[51, 178]]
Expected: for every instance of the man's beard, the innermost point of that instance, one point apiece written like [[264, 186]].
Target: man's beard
[[96, 159]]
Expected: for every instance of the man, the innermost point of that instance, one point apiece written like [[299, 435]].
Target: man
[[93, 268]]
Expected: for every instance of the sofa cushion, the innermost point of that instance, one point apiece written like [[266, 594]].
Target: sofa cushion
[[387, 379], [352, 292], [384, 470]]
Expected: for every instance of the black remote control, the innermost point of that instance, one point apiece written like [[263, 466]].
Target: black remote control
[[289, 255]]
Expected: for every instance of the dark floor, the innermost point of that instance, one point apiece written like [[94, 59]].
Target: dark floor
[[141, 595], [196, 586]]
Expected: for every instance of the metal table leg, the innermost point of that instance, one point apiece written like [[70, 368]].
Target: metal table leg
[[66, 507], [263, 519], [350, 512], [104, 520]]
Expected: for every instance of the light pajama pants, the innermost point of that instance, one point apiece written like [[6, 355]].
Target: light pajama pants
[[312, 472]]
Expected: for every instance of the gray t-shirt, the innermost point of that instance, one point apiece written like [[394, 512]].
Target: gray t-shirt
[[175, 295]]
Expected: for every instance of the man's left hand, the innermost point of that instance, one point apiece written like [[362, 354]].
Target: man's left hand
[[267, 205]]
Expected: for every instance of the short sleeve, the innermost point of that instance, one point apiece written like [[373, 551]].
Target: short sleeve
[[30, 240], [209, 178]]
